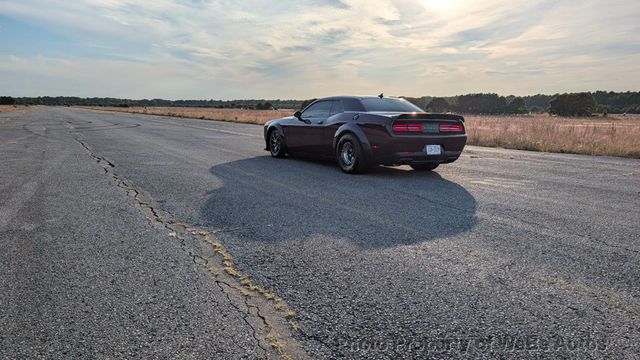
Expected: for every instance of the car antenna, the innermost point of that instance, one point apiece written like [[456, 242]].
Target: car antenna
[[381, 95]]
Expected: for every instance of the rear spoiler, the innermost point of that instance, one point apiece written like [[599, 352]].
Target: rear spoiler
[[427, 116]]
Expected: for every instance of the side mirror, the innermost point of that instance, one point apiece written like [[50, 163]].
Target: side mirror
[[298, 114]]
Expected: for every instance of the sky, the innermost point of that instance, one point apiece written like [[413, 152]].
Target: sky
[[265, 49]]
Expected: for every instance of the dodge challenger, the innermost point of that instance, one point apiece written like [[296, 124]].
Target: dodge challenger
[[361, 132]]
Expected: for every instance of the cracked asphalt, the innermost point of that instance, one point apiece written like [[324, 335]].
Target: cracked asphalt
[[503, 254]]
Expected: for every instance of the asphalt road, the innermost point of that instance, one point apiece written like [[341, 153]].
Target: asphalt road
[[503, 254]]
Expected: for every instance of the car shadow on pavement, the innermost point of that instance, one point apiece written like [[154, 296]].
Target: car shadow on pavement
[[267, 199]]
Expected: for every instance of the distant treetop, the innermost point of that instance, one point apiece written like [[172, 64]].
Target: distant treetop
[[482, 103]]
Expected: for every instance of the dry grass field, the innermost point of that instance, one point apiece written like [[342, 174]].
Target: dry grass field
[[234, 115], [5, 108], [615, 135]]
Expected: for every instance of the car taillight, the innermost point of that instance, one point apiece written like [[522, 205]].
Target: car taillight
[[451, 128], [408, 128]]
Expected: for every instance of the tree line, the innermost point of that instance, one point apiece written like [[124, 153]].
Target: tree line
[[97, 101], [568, 104], [572, 104]]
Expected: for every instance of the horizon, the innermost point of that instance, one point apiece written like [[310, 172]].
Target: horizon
[[301, 99], [199, 49]]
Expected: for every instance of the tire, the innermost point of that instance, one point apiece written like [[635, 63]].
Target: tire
[[276, 144], [350, 155], [424, 167]]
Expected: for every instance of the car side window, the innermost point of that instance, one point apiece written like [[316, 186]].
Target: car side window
[[337, 107], [320, 109]]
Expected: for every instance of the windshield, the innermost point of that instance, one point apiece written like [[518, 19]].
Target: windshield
[[389, 105]]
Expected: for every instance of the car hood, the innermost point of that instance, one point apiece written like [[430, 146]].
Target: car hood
[[280, 119]]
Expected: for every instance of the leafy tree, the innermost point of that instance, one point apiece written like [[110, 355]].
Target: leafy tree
[[266, 106], [617, 102], [578, 104], [539, 100], [537, 109], [481, 104], [516, 106], [438, 105], [7, 100], [612, 102]]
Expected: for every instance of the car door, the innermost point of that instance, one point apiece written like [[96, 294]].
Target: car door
[[330, 126], [307, 135]]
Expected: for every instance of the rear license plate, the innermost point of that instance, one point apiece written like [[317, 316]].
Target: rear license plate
[[433, 149]]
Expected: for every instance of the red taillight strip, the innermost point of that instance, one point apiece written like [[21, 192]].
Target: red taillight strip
[[408, 128], [451, 128]]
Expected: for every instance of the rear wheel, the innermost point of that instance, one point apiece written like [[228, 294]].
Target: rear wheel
[[424, 167], [276, 144], [350, 155]]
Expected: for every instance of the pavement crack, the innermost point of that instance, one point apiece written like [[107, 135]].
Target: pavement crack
[[271, 310], [265, 313], [245, 316]]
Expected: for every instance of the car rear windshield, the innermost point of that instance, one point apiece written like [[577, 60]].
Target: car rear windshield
[[389, 105]]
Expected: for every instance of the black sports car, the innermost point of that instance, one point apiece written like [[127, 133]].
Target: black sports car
[[365, 131]]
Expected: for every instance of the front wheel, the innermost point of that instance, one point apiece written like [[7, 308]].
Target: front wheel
[[276, 144], [350, 155], [424, 167]]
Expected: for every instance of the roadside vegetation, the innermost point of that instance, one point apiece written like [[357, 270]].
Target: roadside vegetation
[[7, 103], [236, 115], [480, 103], [615, 135], [572, 104], [5, 108]]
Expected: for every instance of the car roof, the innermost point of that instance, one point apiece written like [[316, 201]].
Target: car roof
[[352, 102], [356, 97]]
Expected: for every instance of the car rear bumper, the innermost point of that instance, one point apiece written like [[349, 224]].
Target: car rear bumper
[[400, 150], [416, 158]]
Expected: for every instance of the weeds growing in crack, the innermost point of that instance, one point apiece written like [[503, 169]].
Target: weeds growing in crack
[[245, 286], [279, 348], [244, 314]]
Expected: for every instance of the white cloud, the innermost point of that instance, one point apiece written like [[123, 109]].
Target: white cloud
[[450, 51], [302, 49]]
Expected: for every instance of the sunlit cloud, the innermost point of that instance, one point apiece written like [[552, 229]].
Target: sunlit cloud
[[302, 49]]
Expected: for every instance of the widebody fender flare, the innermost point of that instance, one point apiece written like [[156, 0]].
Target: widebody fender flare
[[268, 129], [358, 132]]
